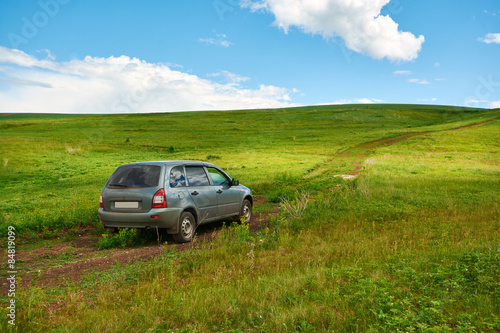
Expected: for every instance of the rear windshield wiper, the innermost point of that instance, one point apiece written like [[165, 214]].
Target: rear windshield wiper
[[121, 185]]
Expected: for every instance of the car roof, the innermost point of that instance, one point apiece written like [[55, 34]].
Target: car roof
[[173, 163]]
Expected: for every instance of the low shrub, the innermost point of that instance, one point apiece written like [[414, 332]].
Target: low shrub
[[125, 237]]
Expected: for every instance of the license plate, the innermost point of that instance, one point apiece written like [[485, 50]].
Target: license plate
[[129, 205]]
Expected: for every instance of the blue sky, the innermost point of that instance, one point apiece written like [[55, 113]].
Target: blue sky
[[147, 56]]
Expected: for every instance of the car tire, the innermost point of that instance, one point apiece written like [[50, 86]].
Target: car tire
[[187, 226], [246, 211]]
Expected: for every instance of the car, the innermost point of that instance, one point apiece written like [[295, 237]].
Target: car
[[178, 196]]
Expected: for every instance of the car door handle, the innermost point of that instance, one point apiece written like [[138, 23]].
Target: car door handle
[[195, 193], [219, 191]]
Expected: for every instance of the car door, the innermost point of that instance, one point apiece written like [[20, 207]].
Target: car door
[[228, 197], [202, 193]]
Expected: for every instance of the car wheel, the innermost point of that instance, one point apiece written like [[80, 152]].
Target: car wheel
[[187, 226], [246, 211]]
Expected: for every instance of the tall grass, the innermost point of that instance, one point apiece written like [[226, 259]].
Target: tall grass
[[411, 245], [47, 160], [78, 209]]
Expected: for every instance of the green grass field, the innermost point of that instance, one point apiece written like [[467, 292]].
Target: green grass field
[[411, 245]]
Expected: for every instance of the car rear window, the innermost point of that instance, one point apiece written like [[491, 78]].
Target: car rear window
[[135, 176]]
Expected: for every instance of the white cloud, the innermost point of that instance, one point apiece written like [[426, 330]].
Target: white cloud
[[368, 100], [358, 23], [495, 105], [355, 101], [434, 99], [484, 103], [475, 102], [490, 38], [173, 65], [230, 78], [25, 82], [401, 73], [19, 58], [121, 84], [418, 81], [219, 40]]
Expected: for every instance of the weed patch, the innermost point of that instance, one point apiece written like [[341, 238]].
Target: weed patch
[[126, 237], [295, 207]]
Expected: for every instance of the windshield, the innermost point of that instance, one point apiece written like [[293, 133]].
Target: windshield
[[135, 176]]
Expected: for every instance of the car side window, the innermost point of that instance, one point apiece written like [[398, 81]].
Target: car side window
[[218, 178], [196, 176], [177, 178]]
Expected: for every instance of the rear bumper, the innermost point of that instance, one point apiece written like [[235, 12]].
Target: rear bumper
[[161, 218]]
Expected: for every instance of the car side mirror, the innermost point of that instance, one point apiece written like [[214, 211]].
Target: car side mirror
[[235, 182]]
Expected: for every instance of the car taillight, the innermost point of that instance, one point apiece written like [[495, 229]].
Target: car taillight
[[159, 199], [101, 205]]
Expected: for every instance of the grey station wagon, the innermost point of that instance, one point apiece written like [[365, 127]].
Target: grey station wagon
[[175, 195]]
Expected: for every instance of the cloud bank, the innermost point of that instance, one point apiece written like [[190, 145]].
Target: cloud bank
[[358, 23], [120, 85]]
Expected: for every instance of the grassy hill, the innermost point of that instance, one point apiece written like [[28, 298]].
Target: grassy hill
[[411, 244]]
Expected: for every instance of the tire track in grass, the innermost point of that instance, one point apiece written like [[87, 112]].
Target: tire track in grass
[[356, 156], [474, 125]]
